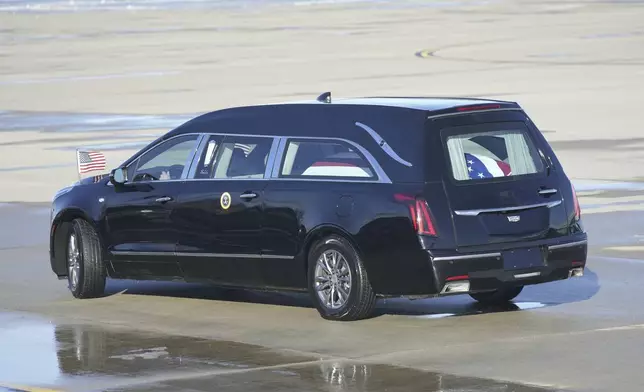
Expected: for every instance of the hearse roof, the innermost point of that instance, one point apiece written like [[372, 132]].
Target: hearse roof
[[427, 104], [430, 106]]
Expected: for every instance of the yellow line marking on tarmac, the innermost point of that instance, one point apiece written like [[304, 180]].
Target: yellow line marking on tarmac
[[425, 53], [23, 388]]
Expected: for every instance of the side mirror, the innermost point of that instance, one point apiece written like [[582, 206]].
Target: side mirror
[[118, 176]]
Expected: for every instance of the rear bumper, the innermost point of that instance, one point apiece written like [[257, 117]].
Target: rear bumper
[[485, 271]]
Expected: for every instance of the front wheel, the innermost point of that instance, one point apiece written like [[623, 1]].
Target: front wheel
[[499, 296], [338, 282], [86, 272]]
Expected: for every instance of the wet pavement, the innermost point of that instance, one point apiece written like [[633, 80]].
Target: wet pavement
[[87, 357], [173, 336]]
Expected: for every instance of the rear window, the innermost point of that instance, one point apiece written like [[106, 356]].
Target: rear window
[[493, 154]]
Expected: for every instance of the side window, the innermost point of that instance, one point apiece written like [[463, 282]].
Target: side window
[[324, 159], [166, 161], [208, 159], [241, 157]]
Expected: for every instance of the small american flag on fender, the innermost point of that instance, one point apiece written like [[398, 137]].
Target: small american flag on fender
[[90, 161]]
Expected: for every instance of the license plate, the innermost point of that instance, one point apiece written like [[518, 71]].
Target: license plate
[[522, 258]]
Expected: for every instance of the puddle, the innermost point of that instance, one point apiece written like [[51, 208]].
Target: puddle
[[87, 122], [37, 352]]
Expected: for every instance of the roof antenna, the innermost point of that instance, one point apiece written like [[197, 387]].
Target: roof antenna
[[325, 97]]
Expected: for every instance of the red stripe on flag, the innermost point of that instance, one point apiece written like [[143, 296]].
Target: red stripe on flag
[[505, 168]]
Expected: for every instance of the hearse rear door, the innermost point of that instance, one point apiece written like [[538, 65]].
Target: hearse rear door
[[501, 185]]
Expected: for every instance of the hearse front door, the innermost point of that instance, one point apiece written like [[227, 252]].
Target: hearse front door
[[140, 231]]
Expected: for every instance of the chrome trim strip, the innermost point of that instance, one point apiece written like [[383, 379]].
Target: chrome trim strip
[[547, 191], [567, 245], [219, 255], [549, 204], [383, 144], [468, 257], [284, 257], [330, 180], [224, 179], [233, 256], [527, 275], [131, 253], [472, 111], [196, 254]]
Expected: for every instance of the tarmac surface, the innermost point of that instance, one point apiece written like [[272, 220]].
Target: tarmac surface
[[113, 78], [582, 334]]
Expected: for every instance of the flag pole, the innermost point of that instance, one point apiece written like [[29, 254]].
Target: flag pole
[[78, 165]]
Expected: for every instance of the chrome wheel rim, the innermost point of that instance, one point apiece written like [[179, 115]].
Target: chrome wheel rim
[[333, 279], [73, 261]]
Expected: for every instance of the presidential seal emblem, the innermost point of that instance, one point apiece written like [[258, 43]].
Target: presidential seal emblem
[[224, 200]]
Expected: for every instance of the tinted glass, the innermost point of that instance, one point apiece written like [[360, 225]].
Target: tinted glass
[[493, 154], [166, 161], [308, 159], [241, 157], [208, 160]]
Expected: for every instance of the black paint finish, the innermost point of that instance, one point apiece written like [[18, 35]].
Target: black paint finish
[[179, 229]]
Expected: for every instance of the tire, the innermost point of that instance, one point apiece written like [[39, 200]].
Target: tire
[[499, 296], [87, 280], [361, 300]]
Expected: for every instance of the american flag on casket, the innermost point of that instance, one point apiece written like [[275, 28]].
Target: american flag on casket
[[480, 167]]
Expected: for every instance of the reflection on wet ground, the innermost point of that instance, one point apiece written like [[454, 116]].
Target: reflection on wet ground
[[533, 297], [82, 357]]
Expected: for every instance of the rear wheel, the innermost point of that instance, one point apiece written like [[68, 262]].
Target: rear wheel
[[499, 296], [86, 272], [338, 282]]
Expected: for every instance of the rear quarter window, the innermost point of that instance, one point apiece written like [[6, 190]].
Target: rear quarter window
[[324, 159], [478, 156]]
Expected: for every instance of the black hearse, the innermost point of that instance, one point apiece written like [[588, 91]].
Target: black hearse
[[349, 200]]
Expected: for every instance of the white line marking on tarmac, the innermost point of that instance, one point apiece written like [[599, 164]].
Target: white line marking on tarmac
[[389, 357], [618, 259]]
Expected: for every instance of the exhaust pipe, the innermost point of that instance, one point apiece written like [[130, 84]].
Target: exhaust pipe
[[576, 272], [458, 286]]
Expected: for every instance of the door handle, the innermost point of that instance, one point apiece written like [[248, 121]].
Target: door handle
[[547, 191], [163, 199], [248, 195]]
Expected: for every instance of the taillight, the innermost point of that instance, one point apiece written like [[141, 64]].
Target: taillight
[[576, 203], [419, 214]]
